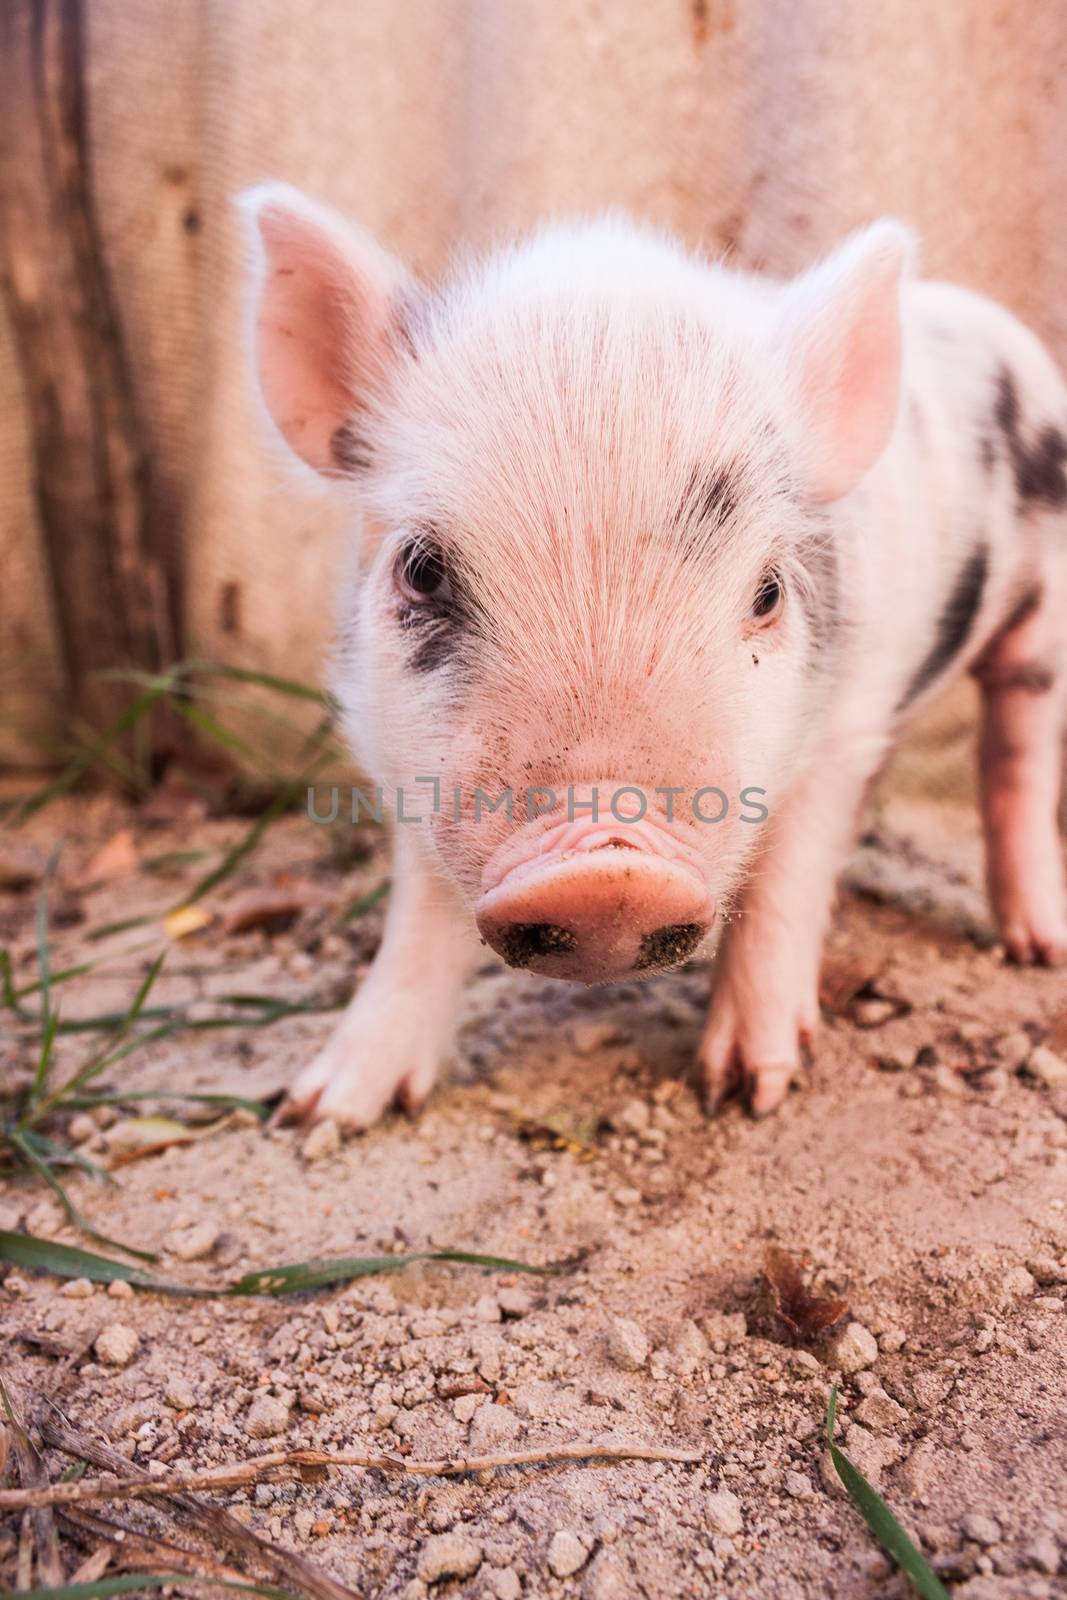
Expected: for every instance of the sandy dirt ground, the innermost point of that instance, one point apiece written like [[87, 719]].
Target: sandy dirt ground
[[920, 1168]]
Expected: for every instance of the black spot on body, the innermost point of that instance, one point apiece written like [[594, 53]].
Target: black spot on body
[[953, 625], [668, 947], [1038, 466]]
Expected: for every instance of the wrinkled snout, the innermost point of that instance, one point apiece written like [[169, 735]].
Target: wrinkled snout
[[597, 903]]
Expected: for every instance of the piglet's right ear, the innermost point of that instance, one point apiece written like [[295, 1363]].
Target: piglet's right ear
[[326, 303]]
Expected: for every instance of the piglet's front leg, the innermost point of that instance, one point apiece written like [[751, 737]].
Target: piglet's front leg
[[764, 1005], [391, 1040]]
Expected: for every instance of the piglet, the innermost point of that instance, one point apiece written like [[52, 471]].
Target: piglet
[[654, 560]]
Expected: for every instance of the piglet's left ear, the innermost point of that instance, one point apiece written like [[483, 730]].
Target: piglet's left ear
[[840, 335]]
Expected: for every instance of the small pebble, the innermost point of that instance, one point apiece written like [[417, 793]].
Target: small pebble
[[1014, 1048], [178, 1392], [78, 1289], [980, 1529], [505, 1584], [448, 1555], [323, 1140], [880, 1412], [798, 1486], [120, 1290], [195, 1243], [1046, 1066], [854, 1348], [566, 1553], [723, 1512], [267, 1417], [464, 1407], [515, 1302], [1018, 1281], [82, 1127], [116, 1345], [1041, 1554], [627, 1345]]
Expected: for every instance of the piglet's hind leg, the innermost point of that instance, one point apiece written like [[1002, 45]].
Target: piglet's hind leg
[[1023, 686]]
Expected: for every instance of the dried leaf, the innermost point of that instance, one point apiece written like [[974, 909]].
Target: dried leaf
[[805, 1315], [117, 859], [135, 1137], [273, 910], [185, 920]]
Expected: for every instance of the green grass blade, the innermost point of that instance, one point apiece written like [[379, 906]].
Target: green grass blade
[[101, 1587], [16, 1138], [43, 963], [343, 1269], [94, 753], [120, 1097], [881, 1521], [44, 1058], [66, 1261], [58, 1155], [121, 1047], [366, 902]]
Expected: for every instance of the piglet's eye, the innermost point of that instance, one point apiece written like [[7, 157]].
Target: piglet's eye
[[769, 597], [420, 573]]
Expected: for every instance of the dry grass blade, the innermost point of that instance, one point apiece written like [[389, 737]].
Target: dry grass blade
[[235, 1474], [134, 1551], [222, 1531], [32, 1475]]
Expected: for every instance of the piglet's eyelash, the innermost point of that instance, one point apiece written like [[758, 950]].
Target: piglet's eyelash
[[421, 574], [769, 597]]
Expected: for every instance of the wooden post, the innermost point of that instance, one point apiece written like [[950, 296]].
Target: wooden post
[[110, 594]]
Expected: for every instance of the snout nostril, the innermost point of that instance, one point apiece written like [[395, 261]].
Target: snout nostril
[[524, 940], [669, 946]]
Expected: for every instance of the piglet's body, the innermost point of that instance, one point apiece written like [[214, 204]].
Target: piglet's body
[[641, 536]]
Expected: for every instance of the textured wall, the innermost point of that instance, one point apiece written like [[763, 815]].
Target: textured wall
[[765, 128]]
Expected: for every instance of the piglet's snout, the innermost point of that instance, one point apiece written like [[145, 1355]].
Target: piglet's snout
[[597, 907]]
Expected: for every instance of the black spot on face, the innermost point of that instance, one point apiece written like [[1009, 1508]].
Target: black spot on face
[[668, 947], [350, 452], [435, 610], [716, 500], [525, 940], [1038, 465], [953, 625]]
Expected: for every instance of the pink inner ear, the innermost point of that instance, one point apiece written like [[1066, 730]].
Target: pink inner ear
[[322, 321], [848, 369], [301, 336]]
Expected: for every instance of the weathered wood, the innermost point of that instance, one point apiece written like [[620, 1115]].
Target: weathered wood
[[111, 597]]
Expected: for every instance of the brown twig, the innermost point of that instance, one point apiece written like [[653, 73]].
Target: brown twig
[[236, 1474], [223, 1531]]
